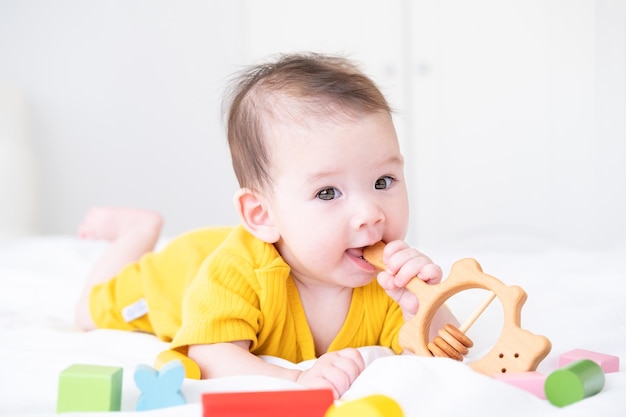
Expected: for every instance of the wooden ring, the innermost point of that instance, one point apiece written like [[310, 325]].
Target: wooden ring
[[453, 342], [458, 335], [451, 351]]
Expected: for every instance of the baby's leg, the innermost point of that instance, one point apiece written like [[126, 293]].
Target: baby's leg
[[132, 233]]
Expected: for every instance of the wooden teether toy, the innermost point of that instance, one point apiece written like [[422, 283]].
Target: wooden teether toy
[[516, 350]]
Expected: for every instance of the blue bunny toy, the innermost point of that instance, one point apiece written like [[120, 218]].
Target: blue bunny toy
[[160, 389]]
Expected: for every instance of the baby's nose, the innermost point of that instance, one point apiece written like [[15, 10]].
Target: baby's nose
[[367, 213]]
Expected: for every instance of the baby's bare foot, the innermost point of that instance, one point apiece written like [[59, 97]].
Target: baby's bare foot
[[109, 223]]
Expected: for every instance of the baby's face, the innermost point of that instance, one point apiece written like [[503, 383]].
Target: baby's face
[[338, 186]]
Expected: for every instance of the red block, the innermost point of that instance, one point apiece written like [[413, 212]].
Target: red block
[[608, 363], [293, 403]]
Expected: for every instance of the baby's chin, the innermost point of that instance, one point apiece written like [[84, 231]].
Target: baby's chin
[[356, 283]]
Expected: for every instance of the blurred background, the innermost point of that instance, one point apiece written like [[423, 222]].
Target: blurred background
[[511, 113]]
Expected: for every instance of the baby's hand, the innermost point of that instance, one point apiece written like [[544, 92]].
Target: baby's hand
[[335, 370], [403, 264]]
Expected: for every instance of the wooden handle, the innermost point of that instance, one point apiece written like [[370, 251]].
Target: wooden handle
[[374, 255]]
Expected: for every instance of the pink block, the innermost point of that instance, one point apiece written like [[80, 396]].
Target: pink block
[[529, 381], [608, 363]]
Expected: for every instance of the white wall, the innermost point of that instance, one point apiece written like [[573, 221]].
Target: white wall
[[124, 101], [18, 174], [511, 113]]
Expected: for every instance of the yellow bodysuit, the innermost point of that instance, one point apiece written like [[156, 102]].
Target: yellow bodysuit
[[223, 284]]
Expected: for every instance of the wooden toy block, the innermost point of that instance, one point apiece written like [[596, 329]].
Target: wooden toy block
[[574, 382], [531, 381], [371, 406], [90, 388], [160, 389], [301, 403], [516, 350], [608, 363], [192, 370]]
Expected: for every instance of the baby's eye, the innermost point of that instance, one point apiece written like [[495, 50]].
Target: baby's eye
[[383, 182], [328, 194]]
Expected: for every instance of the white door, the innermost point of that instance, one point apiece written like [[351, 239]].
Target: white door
[[518, 116]]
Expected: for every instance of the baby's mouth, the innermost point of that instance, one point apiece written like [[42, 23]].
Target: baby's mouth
[[358, 253], [373, 255], [363, 258]]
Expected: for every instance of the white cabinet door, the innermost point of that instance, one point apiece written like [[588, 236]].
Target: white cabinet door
[[518, 112]]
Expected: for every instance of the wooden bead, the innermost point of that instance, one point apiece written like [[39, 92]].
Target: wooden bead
[[435, 350], [450, 351], [454, 342], [459, 335]]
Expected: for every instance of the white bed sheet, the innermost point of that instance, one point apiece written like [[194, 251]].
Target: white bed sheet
[[575, 298]]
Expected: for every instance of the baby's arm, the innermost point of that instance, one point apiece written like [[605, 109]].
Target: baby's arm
[[404, 263], [334, 370]]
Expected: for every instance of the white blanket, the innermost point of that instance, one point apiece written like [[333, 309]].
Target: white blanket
[[575, 298]]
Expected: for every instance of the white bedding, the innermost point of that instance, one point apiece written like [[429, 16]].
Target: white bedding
[[575, 298]]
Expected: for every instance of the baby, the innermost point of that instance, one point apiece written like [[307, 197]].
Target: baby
[[317, 158]]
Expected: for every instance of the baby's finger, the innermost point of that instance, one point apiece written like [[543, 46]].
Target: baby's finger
[[431, 274], [354, 358], [386, 281], [412, 268], [345, 368], [395, 254], [398, 260]]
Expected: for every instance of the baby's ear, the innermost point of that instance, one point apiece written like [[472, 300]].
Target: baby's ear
[[254, 215]]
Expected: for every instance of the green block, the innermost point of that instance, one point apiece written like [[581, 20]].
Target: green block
[[572, 383], [90, 388]]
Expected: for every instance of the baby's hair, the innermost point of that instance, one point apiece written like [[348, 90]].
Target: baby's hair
[[294, 88]]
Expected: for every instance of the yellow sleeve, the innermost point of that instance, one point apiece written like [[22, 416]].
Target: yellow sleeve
[[238, 294], [220, 305]]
